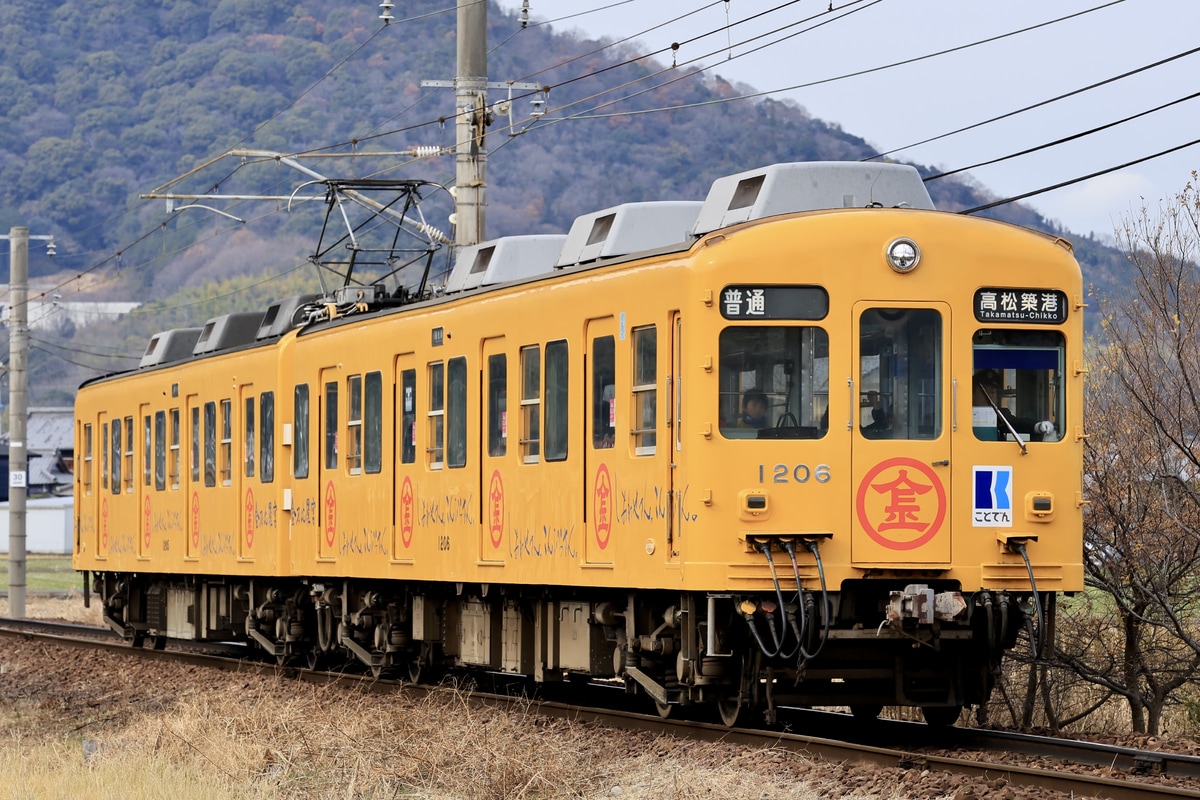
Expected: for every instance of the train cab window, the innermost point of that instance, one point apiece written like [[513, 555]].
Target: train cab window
[[196, 444], [373, 414], [774, 382], [86, 476], [300, 432], [249, 445], [497, 413], [226, 442], [160, 450], [210, 443], [604, 410], [266, 437], [408, 419], [1016, 385], [531, 386], [435, 452], [116, 456], [354, 418], [147, 449], [129, 455], [645, 390], [173, 471], [900, 373], [557, 382], [331, 425], [104, 456], [456, 413]]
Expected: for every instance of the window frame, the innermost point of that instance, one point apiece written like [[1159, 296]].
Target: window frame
[[531, 401], [643, 392]]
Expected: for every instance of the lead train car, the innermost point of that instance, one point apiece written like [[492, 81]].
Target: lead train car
[[553, 476]]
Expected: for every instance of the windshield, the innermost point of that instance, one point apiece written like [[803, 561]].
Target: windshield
[[1016, 388], [774, 382]]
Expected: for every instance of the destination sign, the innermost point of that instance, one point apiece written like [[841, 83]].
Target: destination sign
[[774, 302], [1041, 306]]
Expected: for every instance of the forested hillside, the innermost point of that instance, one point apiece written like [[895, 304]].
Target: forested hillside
[[107, 101]]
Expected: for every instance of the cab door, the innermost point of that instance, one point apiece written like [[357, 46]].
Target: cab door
[[495, 452], [600, 439], [900, 418]]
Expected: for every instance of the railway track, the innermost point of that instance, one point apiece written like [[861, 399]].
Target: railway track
[[979, 755]]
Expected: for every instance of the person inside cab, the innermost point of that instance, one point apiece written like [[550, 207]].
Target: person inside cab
[[754, 410], [993, 422]]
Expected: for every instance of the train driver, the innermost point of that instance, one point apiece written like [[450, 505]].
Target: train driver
[[986, 410], [754, 410]]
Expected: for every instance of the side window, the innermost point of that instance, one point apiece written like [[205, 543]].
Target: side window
[[104, 456], [86, 477], [249, 437], [437, 415], [266, 426], [604, 410], [300, 432], [226, 442], [160, 450], [331, 425], [408, 420], [645, 389], [147, 449], [556, 401], [497, 405], [174, 461], [210, 443], [373, 412], [129, 454], [531, 387], [116, 456], [354, 418], [456, 413], [196, 445]]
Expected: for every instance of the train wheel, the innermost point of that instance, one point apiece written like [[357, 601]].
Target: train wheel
[[158, 642], [941, 716], [664, 709], [314, 658], [866, 711], [731, 711]]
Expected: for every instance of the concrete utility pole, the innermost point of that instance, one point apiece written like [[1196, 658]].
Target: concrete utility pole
[[18, 406], [471, 110]]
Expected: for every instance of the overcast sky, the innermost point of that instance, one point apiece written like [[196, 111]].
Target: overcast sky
[[896, 107]]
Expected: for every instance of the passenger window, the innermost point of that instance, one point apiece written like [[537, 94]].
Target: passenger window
[[160, 450], [129, 455], [456, 413], [104, 456], [354, 417], [604, 411], [557, 383], [408, 422], [300, 431], [531, 387], [373, 412], [1016, 385], [116, 456], [266, 424], [249, 466], [331, 425], [900, 373], [147, 449], [774, 382], [437, 415], [645, 390], [497, 405], [210, 443], [174, 466], [196, 445], [226, 442], [86, 477]]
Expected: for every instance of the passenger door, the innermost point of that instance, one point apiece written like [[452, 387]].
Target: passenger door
[[600, 425], [900, 420]]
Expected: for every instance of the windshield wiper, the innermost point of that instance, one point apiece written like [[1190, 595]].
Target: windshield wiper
[[1000, 416]]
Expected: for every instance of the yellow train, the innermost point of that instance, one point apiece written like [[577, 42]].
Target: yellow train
[[808, 441]]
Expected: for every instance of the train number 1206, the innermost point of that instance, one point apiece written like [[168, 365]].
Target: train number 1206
[[800, 473]]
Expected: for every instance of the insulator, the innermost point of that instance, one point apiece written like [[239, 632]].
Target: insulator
[[426, 150]]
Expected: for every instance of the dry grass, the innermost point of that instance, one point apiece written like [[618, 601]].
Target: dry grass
[[60, 609]]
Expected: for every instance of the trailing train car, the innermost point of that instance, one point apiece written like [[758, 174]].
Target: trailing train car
[[809, 441]]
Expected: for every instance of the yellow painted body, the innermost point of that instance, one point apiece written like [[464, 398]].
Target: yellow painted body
[[675, 516]]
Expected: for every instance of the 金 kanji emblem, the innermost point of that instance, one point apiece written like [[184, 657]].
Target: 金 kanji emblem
[[496, 509], [602, 506], [901, 503], [406, 512]]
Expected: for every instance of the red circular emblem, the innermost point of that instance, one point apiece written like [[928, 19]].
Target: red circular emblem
[[406, 512], [146, 525], [901, 503], [330, 514], [602, 505], [195, 521], [249, 518], [496, 509]]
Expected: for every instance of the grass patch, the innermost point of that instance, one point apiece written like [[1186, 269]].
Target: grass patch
[[44, 573]]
